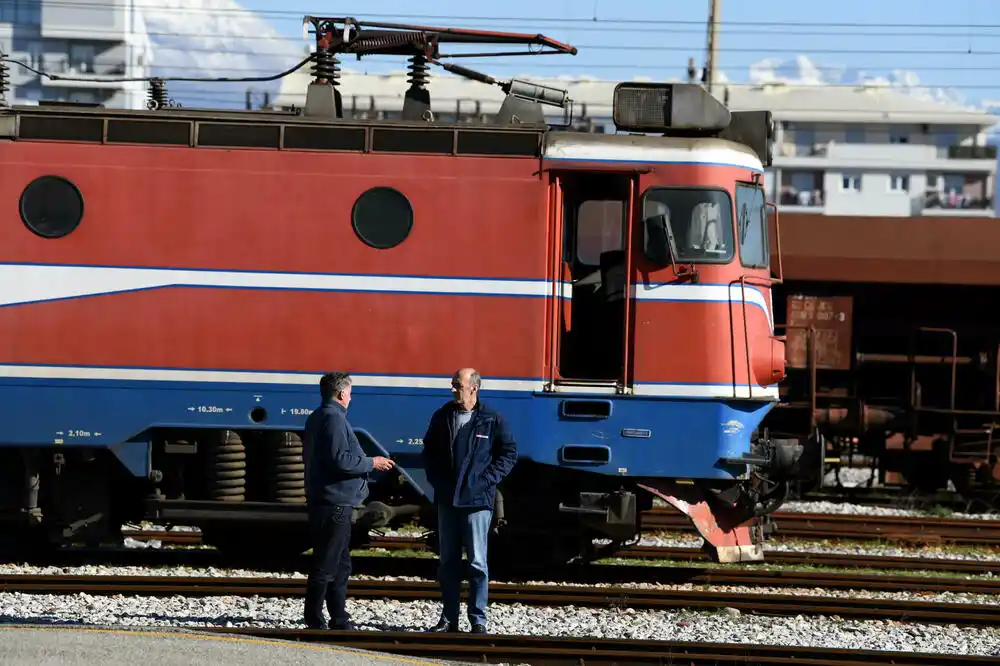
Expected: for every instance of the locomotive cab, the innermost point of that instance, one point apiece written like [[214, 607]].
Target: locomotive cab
[[663, 338]]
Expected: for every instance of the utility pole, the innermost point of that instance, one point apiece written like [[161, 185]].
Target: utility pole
[[714, 18]]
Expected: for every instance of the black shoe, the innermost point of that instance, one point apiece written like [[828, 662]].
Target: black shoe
[[444, 626], [316, 625], [479, 629], [343, 626]]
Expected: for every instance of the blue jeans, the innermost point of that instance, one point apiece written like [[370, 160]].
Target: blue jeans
[[469, 528]]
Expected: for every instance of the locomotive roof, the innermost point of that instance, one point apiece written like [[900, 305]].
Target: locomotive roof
[[294, 131], [649, 149]]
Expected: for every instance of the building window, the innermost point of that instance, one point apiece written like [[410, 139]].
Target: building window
[[29, 12], [944, 141], [805, 139], [854, 135], [36, 56], [850, 182], [899, 183], [81, 57], [898, 136]]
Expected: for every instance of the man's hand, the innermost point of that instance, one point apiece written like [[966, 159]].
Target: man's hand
[[382, 464]]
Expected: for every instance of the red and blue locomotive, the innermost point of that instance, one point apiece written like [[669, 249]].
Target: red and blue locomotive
[[176, 280]]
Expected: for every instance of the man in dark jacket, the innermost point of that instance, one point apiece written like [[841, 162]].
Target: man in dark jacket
[[468, 450], [336, 471]]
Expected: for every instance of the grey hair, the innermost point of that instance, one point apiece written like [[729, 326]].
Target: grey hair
[[333, 383], [474, 379]]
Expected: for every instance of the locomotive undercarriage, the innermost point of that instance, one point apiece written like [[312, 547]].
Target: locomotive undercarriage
[[245, 491]]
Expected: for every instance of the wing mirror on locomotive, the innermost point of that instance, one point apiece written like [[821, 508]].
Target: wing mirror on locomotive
[[660, 247]]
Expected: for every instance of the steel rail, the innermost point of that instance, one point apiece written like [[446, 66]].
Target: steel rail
[[565, 651], [830, 560], [639, 553], [789, 524], [840, 526], [546, 595]]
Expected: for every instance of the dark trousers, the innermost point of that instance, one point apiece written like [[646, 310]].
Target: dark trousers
[[331, 565]]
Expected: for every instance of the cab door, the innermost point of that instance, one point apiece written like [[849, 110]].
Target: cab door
[[591, 226]]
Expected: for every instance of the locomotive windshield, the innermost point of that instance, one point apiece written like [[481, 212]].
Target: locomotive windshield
[[699, 220]]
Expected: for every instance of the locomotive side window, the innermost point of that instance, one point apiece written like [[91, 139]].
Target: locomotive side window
[[700, 221], [51, 206], [751, 226], [382, 217], [598, 229]]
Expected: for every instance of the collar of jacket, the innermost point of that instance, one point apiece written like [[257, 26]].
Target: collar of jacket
[[330, 402]]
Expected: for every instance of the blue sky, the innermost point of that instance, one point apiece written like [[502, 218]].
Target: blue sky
[[655, 38]]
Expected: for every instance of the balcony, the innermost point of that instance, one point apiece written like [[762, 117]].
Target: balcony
[[958, 194], [943, 205], [878, 156], [802, 191], [972, 153]]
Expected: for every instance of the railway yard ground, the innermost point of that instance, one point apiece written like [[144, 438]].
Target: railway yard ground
[[842, 584]]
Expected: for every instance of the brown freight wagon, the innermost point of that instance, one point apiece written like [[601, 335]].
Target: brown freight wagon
[[893, 344]]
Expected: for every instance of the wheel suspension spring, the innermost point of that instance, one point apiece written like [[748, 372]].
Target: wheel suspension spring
[[227, 471], [287, 481], [326, 66]]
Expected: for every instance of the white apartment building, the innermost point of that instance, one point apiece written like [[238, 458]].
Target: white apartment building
[[872, 151], [838, 150], [86, 39]]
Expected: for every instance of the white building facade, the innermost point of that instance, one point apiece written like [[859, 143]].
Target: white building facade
[[871, 151], [838, 150], [84, 39]]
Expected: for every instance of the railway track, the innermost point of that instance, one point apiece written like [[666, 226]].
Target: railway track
[[865, 528], [557, 595], [801, 525], [641, 553], [558, 651]]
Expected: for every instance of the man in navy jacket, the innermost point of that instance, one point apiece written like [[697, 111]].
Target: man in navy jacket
[[336, 473], [468, 450]]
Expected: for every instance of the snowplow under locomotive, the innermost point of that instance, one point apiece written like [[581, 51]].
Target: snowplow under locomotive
[[175, 281]]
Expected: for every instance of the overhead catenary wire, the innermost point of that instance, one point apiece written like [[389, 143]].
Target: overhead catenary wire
[[261, 77], [147, 79], [571, 22], [693, 27]]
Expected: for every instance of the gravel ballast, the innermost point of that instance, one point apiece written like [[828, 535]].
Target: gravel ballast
[[724, 626]]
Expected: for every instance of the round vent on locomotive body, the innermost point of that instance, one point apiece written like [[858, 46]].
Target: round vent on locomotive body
[[51, 206], [382, 217]]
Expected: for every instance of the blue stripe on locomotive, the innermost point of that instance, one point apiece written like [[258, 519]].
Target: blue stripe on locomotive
[[645, 436]]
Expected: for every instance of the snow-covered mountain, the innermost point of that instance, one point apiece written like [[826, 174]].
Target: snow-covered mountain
[[802, 70]]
